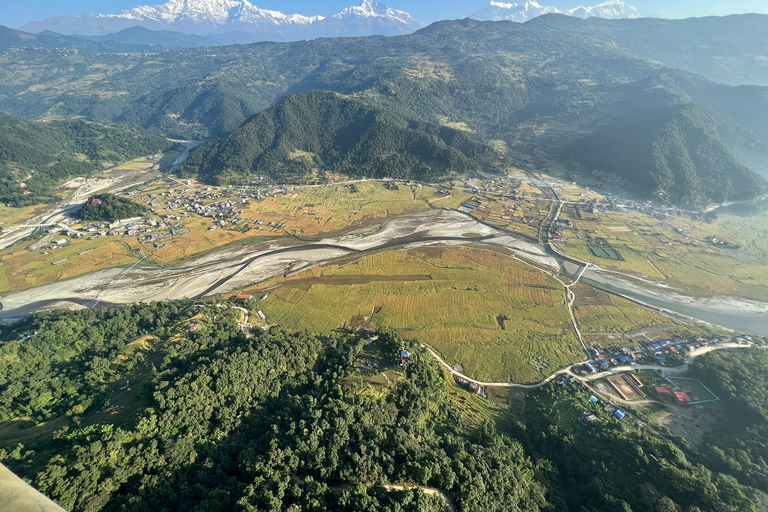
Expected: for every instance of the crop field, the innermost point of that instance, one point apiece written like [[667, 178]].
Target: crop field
[[499, 319], [678, 250], [22, 269], [607, 319], [522, 215], [13, 216], [309, 211]]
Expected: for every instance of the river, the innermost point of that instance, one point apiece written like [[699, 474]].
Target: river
[[232, 269]]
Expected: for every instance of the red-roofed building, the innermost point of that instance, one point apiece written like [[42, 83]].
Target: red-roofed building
[[244, 296], [681, 398], [95, 201], [663, 391]]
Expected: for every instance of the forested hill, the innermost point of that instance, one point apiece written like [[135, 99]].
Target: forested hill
[[326, 131], [679, 156], [131, 410], [532, 88], [35, 157]]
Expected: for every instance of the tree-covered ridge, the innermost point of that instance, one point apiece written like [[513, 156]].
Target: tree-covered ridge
[[110, 208], [40, 156], [739, 447], [283, 421], [524, 87], [325, 130], [678, 155]]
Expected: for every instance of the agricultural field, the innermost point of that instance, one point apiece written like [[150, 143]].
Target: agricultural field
[[22, 268], [607, 319], [678, 249], [499, 319], [514, 205]]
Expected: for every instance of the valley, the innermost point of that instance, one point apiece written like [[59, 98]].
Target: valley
[[475, 266]]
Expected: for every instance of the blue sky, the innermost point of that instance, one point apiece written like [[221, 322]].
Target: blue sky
[[17, 12]]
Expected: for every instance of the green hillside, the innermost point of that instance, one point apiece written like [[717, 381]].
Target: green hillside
[[327, 131], [679, 156], [533, 88], [130, 410], [35, 157]]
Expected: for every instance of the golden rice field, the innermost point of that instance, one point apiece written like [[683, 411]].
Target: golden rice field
[[21, 269], [499, 319]]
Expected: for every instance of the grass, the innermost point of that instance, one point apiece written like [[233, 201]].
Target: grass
[[500, 319]]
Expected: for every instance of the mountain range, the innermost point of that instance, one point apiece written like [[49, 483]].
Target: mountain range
[[239, 21], [537, 89], [522, 12]]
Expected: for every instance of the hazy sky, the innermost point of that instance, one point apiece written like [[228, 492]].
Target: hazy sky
[[17, 12]]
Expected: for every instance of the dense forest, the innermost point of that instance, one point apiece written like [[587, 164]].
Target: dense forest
[[326, 131], [110, 208], [36, 157], [676, 156], [739, 446], [152, 414]]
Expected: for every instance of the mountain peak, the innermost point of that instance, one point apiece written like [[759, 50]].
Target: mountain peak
[[522, 12], [375, 9], [216, 17]]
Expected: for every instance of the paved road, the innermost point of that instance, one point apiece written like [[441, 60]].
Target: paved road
[[567, 371]]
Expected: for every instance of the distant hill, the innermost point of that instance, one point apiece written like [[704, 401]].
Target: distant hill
[[145, 36], [727, 49], [533, 88], [35, 157], [12, 38], [680, 155], [328, 131]]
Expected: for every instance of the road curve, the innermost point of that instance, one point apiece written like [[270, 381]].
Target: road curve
[[589, 378]]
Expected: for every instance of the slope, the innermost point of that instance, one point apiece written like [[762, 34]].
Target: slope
[[325, 130], [35, 157], [679, 155]]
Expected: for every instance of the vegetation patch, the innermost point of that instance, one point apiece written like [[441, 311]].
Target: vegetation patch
[[456, 309]]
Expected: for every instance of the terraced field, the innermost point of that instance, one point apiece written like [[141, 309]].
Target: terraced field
[[498, 318]]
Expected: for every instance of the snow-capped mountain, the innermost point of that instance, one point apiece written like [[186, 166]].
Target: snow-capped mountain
[[522, 12], [208, 17]]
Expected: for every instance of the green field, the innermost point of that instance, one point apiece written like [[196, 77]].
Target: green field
[[600, 312], [676, 249], [500, 319]]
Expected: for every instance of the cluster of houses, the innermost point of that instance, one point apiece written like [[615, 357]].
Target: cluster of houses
[[609, 409], [652, 352]]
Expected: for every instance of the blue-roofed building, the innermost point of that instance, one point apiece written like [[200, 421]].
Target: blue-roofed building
[[470, 206], [619, 414], [594, 352], [623, 359], [631, 360], [593, 399], [661, 359], [655, 344], [665, 343], [405, 353], [590, 368], [603, 364]]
